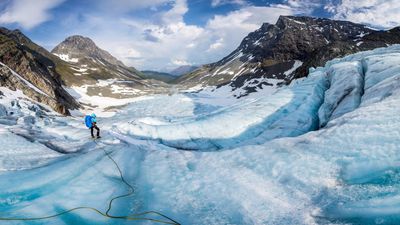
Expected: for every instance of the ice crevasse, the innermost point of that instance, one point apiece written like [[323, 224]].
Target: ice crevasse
[[324, 150], [327, 93], [345, 172]]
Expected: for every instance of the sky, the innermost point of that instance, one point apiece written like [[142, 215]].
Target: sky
[[165, 34]]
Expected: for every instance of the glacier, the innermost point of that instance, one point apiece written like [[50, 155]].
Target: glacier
[[323, 150]]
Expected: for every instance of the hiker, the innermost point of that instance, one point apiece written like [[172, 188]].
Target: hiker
[[91, 122]]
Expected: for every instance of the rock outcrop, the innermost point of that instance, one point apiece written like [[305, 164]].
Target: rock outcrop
[[35, 71]]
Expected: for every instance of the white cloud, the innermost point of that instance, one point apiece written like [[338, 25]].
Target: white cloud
[[121, 6], [174, 15], [378, 13], [191, 45], [306, 6], [128, 52], [218, 44], [28, 13], [248, 18], [216, 3], [180, 62], [168, 37], [330, 7]]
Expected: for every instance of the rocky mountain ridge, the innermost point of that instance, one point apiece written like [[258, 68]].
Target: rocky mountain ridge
[[32, 69], [278, 53]]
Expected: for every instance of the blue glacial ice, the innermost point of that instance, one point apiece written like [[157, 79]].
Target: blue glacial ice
[[324, 150]]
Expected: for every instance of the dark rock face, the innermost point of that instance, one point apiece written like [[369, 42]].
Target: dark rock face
[[273, 50], [35, 65], [296, 37]]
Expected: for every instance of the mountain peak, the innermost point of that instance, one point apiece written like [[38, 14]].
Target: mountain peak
[[80, 42], [323, 23], [285, 20], [79, 47], [16, 35], [296, 37], [77, 37], [88, 64]]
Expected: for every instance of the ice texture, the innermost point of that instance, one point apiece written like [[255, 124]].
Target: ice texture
[[346, 81], [323, 150]]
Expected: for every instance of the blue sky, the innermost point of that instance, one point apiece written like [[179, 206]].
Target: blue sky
[[164, 34]]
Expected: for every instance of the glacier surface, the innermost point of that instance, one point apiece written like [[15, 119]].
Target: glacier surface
[[323, 150]]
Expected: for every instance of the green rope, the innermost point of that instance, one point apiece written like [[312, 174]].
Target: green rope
[[107, 214], [131, 191]]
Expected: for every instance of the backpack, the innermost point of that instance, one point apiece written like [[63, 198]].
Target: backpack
[[88, 121]]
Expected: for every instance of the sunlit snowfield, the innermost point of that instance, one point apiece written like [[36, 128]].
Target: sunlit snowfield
[[203, 158]]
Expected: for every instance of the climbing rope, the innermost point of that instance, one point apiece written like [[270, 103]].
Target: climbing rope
[[107, 213], [131, 191]]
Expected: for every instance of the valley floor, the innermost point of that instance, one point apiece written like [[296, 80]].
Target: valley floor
[[324, 150]]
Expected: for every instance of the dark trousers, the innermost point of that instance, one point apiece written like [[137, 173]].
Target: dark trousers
[[94, 126]]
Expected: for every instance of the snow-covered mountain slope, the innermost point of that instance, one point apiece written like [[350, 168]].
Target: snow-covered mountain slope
[[324, 150], [278, 53], [100, 73]]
